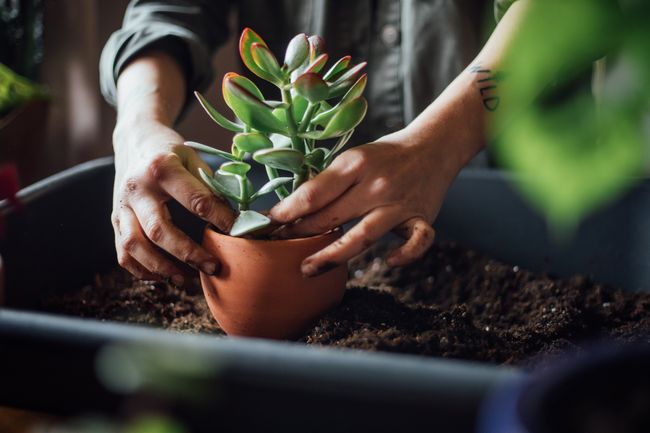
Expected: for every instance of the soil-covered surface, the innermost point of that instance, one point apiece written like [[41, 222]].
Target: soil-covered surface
[[452, 303]]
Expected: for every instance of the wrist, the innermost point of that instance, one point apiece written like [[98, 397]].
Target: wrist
[[452, 127]]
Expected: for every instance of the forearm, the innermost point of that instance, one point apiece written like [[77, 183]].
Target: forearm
[[152, 88], [462, 112]]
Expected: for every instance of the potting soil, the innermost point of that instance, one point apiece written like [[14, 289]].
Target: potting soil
[[454, 302]]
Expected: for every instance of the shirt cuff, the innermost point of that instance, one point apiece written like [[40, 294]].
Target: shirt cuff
[[125, 45]]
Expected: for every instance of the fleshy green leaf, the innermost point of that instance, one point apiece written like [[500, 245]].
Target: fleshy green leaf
[[248, 221], [277, 104], [211, 150], [252, 142], [250, 109], [337, 69], [245, 83], [280, 141], [342, 84], [235, 167], [311, 86], [218, 118], [297, 52], [281, 159], [267, 61], [316, 157], [298, 106], [248, 38], [226, 186], [348, 116], [342, 141], [317, 64], [316, 47], [271, 186], [355, 91]]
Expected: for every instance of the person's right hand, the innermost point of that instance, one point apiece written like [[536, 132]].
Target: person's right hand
[[152, 166]]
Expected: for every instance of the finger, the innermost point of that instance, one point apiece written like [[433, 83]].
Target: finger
[[342, 210], [419, 237], [156, 223], [133, 242], [190, 192], [136, 269], [315, 194], [124, 259], [360, 237]]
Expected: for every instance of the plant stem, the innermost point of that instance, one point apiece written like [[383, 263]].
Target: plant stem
[[296, 142], [306, 118], [245, 193], [299, 179], [272, 173]]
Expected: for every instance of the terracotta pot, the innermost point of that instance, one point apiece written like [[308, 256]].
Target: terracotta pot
[[260, 291]]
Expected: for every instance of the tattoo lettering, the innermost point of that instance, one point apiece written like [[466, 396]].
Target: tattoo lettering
[[487, 83]]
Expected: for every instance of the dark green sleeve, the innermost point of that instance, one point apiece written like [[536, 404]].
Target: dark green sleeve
[[188, 30], [500, 8]]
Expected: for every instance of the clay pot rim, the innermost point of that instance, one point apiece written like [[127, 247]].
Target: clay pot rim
[[210, 229]]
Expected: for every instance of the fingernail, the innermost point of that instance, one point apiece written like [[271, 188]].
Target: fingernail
[[308, 270], [209, 268], [178, 280]]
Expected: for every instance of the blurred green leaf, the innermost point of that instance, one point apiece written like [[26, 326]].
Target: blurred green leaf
[[16, 90], [574, 155], [154, 423]]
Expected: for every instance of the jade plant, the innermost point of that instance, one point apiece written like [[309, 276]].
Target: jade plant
[[317, 104]]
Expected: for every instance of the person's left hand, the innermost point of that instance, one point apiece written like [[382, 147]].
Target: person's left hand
[[396, 183]]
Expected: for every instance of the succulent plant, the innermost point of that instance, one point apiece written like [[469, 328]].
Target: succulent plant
[[317, 104]]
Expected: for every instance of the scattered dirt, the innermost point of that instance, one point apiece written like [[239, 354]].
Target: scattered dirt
[[453, 303]]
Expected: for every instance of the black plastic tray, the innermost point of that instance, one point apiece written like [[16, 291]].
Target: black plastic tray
[[63, 237]]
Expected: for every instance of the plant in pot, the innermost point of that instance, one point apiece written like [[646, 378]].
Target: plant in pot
[[260, 290]]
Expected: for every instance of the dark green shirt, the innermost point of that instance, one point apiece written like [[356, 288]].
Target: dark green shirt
[[414, 48]]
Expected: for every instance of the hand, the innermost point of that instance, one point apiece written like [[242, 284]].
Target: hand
[[396, 183], [152, 166]]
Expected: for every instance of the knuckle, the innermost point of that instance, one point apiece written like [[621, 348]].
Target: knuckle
[[115, 219], [123, 261], [131, 185], [154, 230], [358, 161], [202, 205], [160, 163], [380, 186], [308, 197], [365, 232], [129, 243]]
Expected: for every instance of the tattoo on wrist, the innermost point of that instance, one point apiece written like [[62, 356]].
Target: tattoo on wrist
[[487, 83]]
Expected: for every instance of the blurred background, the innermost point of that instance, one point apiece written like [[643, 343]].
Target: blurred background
[[57, 44]]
